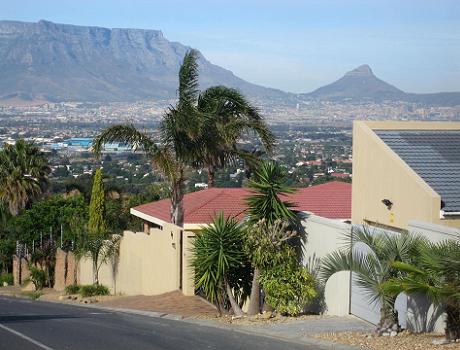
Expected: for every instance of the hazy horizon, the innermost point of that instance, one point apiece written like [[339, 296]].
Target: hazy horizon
[[295, 46]]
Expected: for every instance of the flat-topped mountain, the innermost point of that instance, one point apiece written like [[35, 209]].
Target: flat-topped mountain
[[46, 61], [59, 62]]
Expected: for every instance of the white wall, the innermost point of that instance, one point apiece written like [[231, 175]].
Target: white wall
[[323, 236]]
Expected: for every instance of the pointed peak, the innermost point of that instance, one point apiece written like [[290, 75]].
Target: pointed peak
[[361, 70]]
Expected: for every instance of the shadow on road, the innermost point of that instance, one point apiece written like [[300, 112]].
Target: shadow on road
[[30, 318]]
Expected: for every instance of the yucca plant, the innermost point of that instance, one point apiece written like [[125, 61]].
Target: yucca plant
[[436, 274], [218, 259], [266, 206], [374, 267]]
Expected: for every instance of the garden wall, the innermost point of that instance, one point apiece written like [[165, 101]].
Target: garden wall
[[20, 270], [323, 236], [148, 264], [65, 270]]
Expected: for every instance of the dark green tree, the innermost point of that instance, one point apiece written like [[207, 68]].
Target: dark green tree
[[97, 224]]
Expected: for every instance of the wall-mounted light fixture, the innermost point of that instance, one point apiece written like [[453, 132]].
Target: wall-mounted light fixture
[[388, 203]]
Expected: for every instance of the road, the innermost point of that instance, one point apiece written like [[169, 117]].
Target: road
[[37, 325]]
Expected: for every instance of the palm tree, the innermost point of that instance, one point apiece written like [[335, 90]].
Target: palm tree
[[23, 175], [436, 274], [227, 115], [178, 129], [266, 206], [218, 254], [374, 267]]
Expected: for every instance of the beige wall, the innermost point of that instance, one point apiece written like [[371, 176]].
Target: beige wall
[[188, 272], [148, 264], [323, 237], [378, 173]]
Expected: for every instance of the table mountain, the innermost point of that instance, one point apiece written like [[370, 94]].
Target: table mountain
[[60, 62]]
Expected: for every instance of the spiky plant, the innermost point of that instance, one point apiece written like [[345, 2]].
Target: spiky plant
[[436, 274], [218, 255], [266, 204]]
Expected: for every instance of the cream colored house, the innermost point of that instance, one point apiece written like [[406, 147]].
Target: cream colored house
[[405, 171]]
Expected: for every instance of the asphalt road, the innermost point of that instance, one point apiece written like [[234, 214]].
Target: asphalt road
[[37, 325]]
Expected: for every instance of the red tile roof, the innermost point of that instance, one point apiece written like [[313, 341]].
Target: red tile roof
[[331, 200]]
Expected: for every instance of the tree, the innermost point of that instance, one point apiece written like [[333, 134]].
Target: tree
[[101, 249], [266, 205], [97, 224], [178, 131], [218, 254], [23, 175], [227, 115], [374, 267], [435, 272]]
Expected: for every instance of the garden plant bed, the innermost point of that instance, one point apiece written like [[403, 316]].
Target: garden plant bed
[[261, 319], [404, 341]]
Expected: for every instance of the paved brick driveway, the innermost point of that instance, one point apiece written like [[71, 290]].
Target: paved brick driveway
[[171, 303]]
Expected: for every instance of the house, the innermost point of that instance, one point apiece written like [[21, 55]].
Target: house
[[330, 200], [169, 243], [406, 171]]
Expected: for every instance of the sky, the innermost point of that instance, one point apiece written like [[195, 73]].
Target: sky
[[291, 45]]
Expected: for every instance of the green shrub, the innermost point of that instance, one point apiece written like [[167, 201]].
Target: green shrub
[[37, 277], [93, 289], [6, 277], [288, 288], [32, 295], [72, 289]]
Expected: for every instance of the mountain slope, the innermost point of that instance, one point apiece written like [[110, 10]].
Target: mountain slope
[[59, 62], [361, 85]]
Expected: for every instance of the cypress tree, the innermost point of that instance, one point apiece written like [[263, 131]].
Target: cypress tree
[[97, 225]]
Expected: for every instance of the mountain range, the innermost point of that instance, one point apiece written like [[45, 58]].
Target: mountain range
[[61, 62]]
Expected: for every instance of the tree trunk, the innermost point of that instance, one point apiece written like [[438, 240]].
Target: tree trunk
[[95, 273], [235, 307], [254, 299], [452, 330], [211, 176], [388, 319], [177, 202]]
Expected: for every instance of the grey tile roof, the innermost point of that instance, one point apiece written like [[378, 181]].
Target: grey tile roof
[[434, 155]]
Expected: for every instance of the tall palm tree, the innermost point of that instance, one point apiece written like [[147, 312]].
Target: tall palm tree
[[23, 175], [374, 267], [176, 148], [227, 115], [266, 206], [436, 274]]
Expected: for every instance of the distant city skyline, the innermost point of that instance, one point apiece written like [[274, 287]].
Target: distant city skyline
[[294, 46]]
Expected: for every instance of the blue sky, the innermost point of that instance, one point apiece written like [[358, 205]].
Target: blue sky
[[291, 45]]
